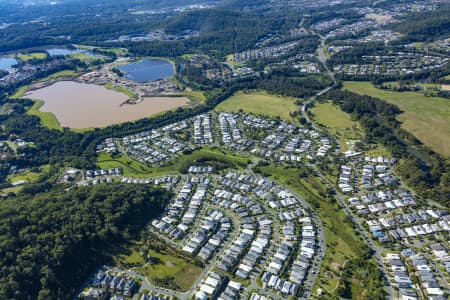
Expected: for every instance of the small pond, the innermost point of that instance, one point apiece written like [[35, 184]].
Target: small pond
[[7, 62]]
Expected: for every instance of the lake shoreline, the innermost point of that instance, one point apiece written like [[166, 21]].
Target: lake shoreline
[[80, 105]]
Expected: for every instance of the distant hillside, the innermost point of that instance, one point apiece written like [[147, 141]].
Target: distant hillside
[[426, 26]]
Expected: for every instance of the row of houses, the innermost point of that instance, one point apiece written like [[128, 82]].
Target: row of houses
[[153, 147], [183, 210], [393, 216], [202, 130], [264, 52], [402, 279], [393, 65], [271, 139], [426, 275], [210, 287], [209, 235], [90, 174], [391, 213], [373, 172], [204, 170], [109, 283]]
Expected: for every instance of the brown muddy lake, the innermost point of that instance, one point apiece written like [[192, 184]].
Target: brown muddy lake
[[79, 105]]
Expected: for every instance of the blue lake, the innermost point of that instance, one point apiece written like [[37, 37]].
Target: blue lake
[[63, 51], [148, 70], [6, 62]]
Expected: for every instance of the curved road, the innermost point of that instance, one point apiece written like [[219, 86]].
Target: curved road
[[318, 258], [339, 196]]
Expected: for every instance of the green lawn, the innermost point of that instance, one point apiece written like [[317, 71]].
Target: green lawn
[[206, 155], [427, 118], [337, 122], [119, 89], [32, 55], [260, 103]]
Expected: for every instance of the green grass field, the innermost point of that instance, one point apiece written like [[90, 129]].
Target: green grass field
[[32, 55], [116, 51], [427, 118], [29, 176], [337, 122], [132, 168], [195, 96], [260, 103], [119, 89], [184, 272], [171, 263], [83, 57], [57, 75], [47, 119], [20, 92]]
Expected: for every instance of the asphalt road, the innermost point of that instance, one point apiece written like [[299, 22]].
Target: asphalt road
[[377, 251]]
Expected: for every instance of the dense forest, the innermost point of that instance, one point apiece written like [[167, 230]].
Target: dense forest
[[294, 86], [425, 26], [221, 32], [50, 242]]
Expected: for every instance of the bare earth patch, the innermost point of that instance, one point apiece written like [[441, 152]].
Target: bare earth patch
[[379, 18], [335, 266]]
